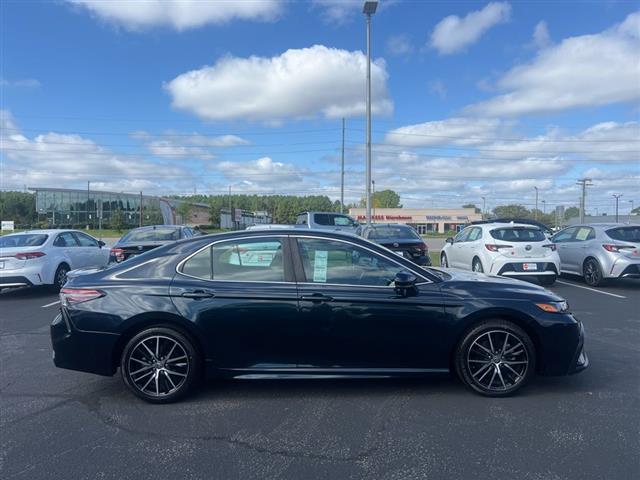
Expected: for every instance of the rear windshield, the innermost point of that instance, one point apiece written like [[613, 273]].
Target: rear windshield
[[331, 219], [518, 234], [152, 235], [25, 240], [404, 233], [625, 234]]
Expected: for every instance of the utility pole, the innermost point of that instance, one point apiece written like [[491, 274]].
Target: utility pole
[[535, 215], [584, 182], [88, 199], [484, 207], [544, 207], [617, 196], [140, 208], [373, 197], [342, 172], [368, 9], [630, 211]]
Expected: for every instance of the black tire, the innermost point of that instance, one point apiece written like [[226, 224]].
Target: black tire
[[495, 375], [443, 261], [547, 280], [476, 265], [60, 277], [170, 364], [592, 273]]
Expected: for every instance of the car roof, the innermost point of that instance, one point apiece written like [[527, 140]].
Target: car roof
[[154, 227], [508, 224], [50, 231], [605, 225], [374, 225]]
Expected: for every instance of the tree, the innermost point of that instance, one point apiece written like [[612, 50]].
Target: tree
[[19, 207], [184, 210], [117, 220], [511, 211], [383, 199], [571, 212], [472, 205]]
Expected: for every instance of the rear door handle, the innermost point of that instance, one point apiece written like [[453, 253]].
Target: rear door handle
[[316, 298], [198, 294]]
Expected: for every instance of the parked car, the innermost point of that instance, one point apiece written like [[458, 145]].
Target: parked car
[[309, 303], [45, 257], [401, 239], [598, 252], [327, 221], [143, 239], [522, 221], [508, 249]]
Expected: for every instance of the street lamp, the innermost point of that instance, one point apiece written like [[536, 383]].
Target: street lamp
[[536, 210], [617, 197], [369, 9], [630, 211]]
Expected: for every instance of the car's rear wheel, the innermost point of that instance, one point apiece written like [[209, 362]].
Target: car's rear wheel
[[495, 358], [443, 261], [60, 277], [160, 365], [476, 265], [592, 273], [547, 280]]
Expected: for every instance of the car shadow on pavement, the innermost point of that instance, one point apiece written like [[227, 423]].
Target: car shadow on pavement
[[27, 293]]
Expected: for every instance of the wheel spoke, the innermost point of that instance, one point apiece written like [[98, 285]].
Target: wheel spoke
[[145, 368], [173, 385], [504, 345], [174, 360], [157, 387], [508, 352], [157, 347], [476, 344], [506, 365], [142, 376], [140, 361], [487, 370], [148, 382], [500, 375], [490, 342], [148, 349], [495, 369], [175, 373], [514, 362]]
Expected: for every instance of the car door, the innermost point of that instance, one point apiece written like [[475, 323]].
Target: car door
[[353, 319], [91, 253], [567, 248], [242, 296], [67, 249], [583, 239], [470, 248], [456, 252]]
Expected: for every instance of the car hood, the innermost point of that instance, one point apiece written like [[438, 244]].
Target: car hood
[[479, 285]]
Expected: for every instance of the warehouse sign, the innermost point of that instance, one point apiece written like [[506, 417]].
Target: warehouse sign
[[446, 217], [8, 225], [386, 217]]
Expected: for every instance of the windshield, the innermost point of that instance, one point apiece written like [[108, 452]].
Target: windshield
[[332, 219], [152, 235], [24, 240], [518, 234], [397, 232], [625, 234]]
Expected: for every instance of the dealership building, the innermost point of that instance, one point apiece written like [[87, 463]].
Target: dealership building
[[424, 220]]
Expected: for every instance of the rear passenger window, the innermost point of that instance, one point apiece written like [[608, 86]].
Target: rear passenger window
[[65, 239], [199, 265]]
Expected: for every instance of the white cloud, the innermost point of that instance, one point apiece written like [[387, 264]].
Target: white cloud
[[20, 83], [179, 14], [461, 131], [399, 45], [453, 34], [588, 70], [180, 145], [342, 11], [300, 83], [541, 37]]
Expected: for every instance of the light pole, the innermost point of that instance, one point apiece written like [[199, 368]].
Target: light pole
[[544, 207], [630, 211], [535, 215], [616, 196], [369, 9], [484, 206]]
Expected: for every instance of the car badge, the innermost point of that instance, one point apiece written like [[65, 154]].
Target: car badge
[[139, 247], [527, 248], [395, 244]]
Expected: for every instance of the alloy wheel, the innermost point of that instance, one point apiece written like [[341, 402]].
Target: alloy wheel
[[497, 361], [443, 261], [592, 273], [61, 276], [477, 266], [158, 366]]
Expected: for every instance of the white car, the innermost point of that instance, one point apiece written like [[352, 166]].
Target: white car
[[45, 257], [508, 249]]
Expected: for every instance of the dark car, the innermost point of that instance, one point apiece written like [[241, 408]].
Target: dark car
[[401, 239], [143, 239], [288, 303]]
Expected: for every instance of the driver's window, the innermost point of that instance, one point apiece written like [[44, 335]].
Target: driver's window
[[565, 235], [328, 261], [462, 236]]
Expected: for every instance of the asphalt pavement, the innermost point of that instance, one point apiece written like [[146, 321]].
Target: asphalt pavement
[[58, 424]]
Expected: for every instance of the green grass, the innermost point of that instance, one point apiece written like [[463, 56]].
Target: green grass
[[435, 258]]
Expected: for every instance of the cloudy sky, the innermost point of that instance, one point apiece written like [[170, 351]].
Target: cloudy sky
[[470, 99]]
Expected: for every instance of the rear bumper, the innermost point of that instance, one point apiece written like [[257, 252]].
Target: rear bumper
[[516, 269], [15, 281], [75, 349]]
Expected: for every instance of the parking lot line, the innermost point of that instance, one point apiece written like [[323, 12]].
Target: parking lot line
[[50, 304], [591, 289]]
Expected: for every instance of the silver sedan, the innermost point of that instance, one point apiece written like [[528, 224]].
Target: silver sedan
[[598, 252]]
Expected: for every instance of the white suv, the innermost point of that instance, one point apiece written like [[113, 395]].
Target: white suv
[[509, 249]]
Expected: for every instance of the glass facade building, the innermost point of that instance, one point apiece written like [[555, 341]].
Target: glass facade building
[[64, 207]]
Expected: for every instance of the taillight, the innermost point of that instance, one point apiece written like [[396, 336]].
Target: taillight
[[29, 255], [616, 248], [551, 246], [117, 253], [496, 248], [71, 296], [423, 247]]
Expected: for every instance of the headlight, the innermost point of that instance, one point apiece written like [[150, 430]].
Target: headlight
[[554, 307]]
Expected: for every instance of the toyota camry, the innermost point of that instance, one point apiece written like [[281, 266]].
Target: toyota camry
[[301, 303]]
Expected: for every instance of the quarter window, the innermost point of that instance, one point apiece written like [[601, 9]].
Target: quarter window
[[65, 239], [475, 234], [328, 261]]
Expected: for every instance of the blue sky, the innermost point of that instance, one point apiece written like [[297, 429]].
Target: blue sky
[[471, 99]]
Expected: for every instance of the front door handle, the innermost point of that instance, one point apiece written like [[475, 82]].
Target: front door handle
[[197, 294], [317, 298]]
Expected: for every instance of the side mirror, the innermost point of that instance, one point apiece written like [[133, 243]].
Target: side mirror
[[101, 244], [449, 240], [404, 283]]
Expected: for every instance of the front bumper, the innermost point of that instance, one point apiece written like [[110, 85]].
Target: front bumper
[[580, 359], [81, 350]]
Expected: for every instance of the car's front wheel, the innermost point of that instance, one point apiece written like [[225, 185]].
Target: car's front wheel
[[495, 358], [60, 277], [443, 261], [160, 365]]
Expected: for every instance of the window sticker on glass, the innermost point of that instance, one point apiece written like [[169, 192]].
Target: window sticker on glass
[[583, 233], [320, 266]]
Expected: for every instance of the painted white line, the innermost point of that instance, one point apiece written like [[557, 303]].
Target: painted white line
[[591, 289], [50, 304]]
